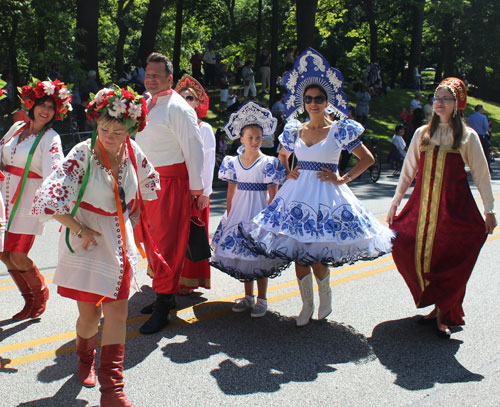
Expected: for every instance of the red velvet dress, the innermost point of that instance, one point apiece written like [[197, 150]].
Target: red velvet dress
[[440, 232]]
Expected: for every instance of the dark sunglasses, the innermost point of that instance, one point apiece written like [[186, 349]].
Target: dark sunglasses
[[317, 99], [189, 98], [121, 193]]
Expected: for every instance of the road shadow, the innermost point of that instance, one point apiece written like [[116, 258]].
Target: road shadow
[[417, 357], [264, 353], [65, 396]]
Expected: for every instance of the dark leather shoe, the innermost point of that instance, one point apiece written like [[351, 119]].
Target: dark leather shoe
[[443, 334], [160, 316]]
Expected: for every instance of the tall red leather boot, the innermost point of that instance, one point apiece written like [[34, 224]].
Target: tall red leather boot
[[110, 375], [85, 348], [25, 292], [40, 291]]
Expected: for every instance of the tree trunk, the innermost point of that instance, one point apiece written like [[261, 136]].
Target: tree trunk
[[258, 44], [306, 17], [177, 41], [416, 35], [13, 67], [124, 7], [370, 15], [150, 29], [274, 51], [87, 17], [448, 46]]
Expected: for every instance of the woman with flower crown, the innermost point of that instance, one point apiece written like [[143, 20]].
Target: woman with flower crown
[[315, 220], [107, 176], [197, 274], [29, 153], [440, 231]]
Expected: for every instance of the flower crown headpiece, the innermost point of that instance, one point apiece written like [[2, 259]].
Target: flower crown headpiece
[[2, 85], [203, 99], [56, 90], [120, 104], [248, 114]]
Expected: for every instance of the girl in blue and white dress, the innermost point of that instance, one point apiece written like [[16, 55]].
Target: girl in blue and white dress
[[315, 220], [253, 180]]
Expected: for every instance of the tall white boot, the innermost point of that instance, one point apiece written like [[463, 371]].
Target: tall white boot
[[306, 293], [325, 297]]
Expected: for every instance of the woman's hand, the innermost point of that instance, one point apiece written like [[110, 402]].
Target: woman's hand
[[202, 202], [87, 235], [333, 177], [391, 214], [294, 174], [490, 223]]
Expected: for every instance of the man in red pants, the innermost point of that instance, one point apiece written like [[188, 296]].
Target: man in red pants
[[172, 143]]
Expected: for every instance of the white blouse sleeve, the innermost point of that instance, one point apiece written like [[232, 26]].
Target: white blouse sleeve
[[149, 179], [207, 135], [185, 128], [52, 154], [60, 189]]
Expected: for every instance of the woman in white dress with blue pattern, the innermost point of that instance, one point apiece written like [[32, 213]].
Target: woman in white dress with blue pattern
[[253, 180], [315, 220]]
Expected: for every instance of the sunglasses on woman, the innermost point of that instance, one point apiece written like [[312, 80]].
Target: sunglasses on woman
[[308, 99], [121, 193]]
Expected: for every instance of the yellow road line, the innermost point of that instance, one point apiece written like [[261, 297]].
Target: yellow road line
[[179, 321]]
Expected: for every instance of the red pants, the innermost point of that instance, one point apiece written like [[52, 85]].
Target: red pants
[[169, 220]]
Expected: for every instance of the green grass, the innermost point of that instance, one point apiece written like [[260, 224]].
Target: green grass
[[384, 114]]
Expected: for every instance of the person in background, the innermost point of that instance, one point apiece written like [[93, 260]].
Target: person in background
[[428, 108], [363, 98], [197, 274], [196, 62], [479, 122], [265, 69], [416, 101], [249, 80]]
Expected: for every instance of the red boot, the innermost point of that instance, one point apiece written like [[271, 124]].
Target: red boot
[[25, 292], [36, 283], [110, 374], [85, 348]]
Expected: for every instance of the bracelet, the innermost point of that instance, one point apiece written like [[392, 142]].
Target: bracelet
[[348, 175], [79, 233], [490, 212]]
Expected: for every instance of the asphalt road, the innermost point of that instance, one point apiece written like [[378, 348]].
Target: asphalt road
[[370, 351]]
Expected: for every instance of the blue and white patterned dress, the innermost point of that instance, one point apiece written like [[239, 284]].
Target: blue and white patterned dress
[[312, 221], [250, 197]]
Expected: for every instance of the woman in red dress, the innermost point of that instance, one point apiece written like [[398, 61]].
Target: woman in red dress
[[29, 153], [197, 274], [440, 231]]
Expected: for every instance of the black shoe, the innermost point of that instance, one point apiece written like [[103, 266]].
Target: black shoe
[[160, 316], [426, 321], [148, 309], [443, 334]]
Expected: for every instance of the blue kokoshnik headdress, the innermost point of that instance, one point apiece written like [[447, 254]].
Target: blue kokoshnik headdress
[[312, 68], [250, 113]]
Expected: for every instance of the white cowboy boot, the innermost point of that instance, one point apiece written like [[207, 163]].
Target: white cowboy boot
[[325, 297], [306, 293]]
